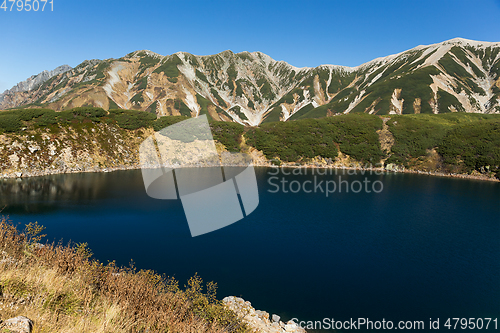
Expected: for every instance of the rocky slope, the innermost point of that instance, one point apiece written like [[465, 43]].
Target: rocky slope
[[460, 144], [249, 88], [100, 147], [30, 84], [258, 320]]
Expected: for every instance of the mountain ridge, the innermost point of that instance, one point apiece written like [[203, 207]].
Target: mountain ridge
[[35, 80], [251, 87]]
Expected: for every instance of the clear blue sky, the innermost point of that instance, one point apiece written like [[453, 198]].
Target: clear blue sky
[[302, 33]]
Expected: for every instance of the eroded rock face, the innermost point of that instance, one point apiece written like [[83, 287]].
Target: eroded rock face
[[37, 152], [19, 324], [259, 320]]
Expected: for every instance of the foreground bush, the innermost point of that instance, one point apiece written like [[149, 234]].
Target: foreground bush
[[63, 290]]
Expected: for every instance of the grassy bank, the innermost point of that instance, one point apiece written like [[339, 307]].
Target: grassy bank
[[63, 289]]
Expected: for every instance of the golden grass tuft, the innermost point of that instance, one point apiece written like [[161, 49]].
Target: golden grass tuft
[[62, 289]]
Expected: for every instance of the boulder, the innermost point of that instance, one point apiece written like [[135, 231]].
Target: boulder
[[19, 324]]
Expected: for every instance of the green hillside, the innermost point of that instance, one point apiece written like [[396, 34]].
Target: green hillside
[[450, 143]]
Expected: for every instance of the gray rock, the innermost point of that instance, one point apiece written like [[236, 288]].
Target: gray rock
[[19, 324], [390, 167], [276, 318], [33, 149], [292, 327], [394, 167]]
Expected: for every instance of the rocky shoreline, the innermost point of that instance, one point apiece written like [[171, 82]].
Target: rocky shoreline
[[47, 172], [106, 148], [260, 321], [474, 176]]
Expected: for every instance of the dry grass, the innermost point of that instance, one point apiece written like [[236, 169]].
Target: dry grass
[[63, 290]]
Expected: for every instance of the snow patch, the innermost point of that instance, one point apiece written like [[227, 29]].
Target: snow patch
[[475, 43], [191, 102], [284, 111], [328, 83], [114, 78], [423, 55], [445, 82], [378, 76], [186, 68], [355, 102], [434, 58], [396, 102]]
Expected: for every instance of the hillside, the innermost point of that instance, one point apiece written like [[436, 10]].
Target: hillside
[[61, 288], [41, 141], [250, 88]]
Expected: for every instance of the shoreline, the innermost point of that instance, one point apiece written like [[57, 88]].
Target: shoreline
[[386, 171], [377, 171]]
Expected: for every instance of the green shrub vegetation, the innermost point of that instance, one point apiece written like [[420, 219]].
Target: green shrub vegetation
[[138, 98], [445, 100], [274, 115], [413, 85], [148, 61], [303, 112], [82, 113], [307, 138], [265, 89], [357, 136], [112, 104], [14, 120], [130, 119], [464, 140], [229, 134], [169, 68], [100, 69], [236, 109], [201, 76], [152, 107], [293, 141], [203, 103], [166, 121], [220, 101], [245, 56], [183, 108], [474, 146], [414, 135], [143, 83]]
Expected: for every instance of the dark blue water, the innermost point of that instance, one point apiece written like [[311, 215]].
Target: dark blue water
[[425, 247]]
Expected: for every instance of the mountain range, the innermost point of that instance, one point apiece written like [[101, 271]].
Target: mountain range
[[457, 75]]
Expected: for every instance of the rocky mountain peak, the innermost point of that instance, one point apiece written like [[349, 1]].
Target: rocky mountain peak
[[458, 75]]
